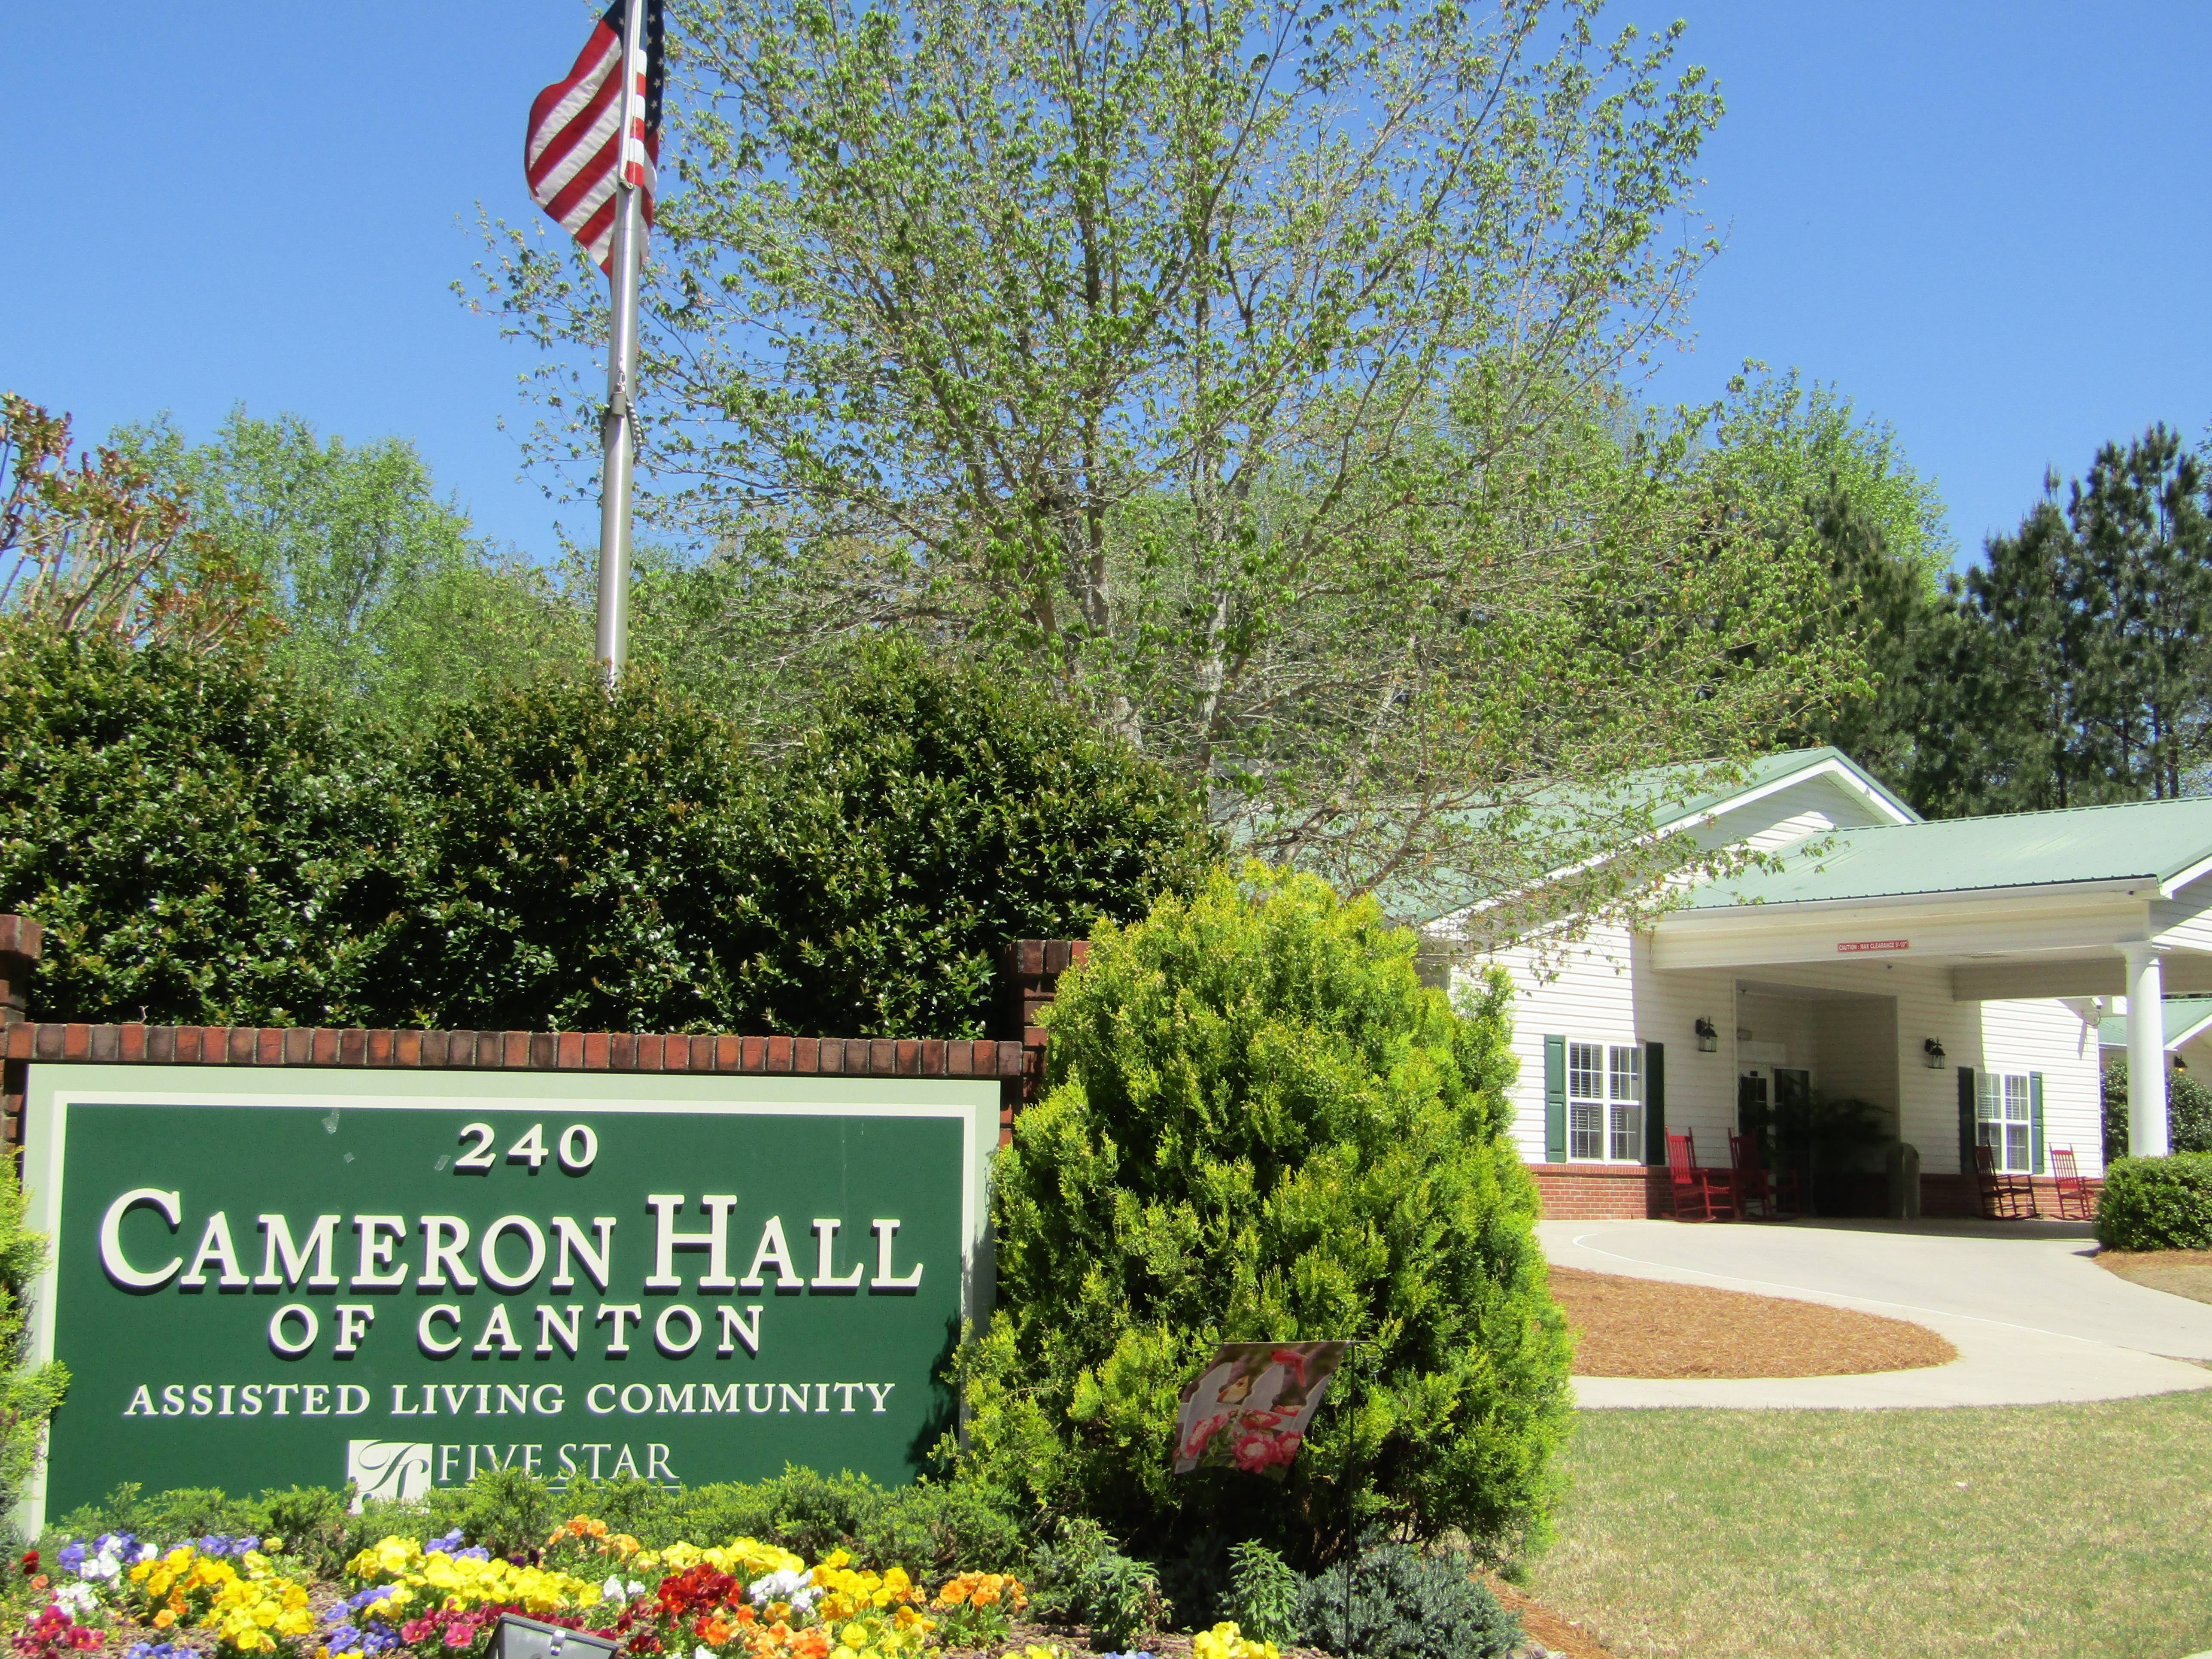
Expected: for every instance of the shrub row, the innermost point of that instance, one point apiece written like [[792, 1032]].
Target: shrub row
[[208, 843]]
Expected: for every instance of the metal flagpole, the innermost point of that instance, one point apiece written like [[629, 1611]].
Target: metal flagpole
[[618, 435]]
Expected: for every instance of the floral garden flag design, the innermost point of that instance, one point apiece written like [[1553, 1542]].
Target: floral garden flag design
[[1249, 1408]]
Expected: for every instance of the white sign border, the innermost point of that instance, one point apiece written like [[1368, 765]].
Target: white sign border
[[52, 1087]]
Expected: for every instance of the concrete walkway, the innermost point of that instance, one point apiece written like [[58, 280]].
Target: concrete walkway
[[2035, 1321]]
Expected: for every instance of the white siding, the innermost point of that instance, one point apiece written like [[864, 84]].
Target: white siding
[[1862, 1038], [1790, 831], [1865, 1043], [2052, 1039]]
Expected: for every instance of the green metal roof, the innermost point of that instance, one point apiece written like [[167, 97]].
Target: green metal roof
[[2150, 841], [1672, 794], [2183, 1015], [1756, 775]]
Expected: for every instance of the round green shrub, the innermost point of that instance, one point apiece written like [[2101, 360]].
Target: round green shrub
[[2157, 1204], [1260, 1124]]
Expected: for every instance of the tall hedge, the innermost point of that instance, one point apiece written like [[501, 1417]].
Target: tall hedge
[[2188, 1112], [208, 843], [185, 824], [1259, 1124], [936, 811], [570, 859]]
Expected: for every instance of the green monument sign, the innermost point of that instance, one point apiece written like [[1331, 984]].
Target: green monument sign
[[401, 1279]]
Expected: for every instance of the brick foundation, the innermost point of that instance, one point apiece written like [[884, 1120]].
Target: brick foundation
[[1626, 1191], [1601, 1192]]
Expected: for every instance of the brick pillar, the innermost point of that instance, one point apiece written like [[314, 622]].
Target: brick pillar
[[20, 937], [1029, 977]]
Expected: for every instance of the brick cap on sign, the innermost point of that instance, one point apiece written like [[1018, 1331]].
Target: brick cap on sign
[[509, 1051], [21, 937]]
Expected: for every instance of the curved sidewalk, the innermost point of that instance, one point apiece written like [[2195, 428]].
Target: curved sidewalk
[[2035, 1321]]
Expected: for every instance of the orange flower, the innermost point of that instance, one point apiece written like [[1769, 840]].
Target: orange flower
[[164, 1619]]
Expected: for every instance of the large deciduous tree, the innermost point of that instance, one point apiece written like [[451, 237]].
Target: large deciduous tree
[[385, 593], [1253, 373]]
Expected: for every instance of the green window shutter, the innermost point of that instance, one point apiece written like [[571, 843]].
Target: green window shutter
[[2035, 1119], [1655, 1104], [1555, 1100], [1966, 1120]]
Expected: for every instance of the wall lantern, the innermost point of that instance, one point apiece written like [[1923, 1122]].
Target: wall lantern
[[1709, 1036], [1934, 1050]]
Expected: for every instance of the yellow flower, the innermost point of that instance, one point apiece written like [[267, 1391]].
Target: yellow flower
[[1226, 1641]]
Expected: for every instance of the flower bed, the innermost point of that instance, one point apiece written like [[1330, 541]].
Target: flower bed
[[403, 1598]]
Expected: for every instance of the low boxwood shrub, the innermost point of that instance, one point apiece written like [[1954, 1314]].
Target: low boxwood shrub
[[1393, 1601], [2157, 1204], [1259, 1124]]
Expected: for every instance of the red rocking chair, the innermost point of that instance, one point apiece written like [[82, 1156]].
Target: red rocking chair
[[1699, 1194], [2075, 1201], [1775, 1195]]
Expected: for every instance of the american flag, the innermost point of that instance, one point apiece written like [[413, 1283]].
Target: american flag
[[595, 119]]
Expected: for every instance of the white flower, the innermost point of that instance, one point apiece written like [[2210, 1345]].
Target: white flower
[[103, 1566], [786, 1586], [78, 1598], [703, 1653], [613, 1588]]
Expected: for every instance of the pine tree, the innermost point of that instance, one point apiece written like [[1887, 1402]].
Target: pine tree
[[2071, 667]]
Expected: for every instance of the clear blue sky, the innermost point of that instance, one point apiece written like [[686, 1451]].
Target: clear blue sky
[[1985, 223]]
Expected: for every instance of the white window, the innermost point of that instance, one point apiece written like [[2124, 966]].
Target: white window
[[2001, 1119], [1605, 1102]]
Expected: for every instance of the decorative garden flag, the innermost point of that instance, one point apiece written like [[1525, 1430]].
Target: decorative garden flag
[[1249, 1408]]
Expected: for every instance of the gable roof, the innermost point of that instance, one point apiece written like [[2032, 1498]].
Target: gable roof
[[1669, 793], [2184, 1018], [1763, 776], [2157, 844]]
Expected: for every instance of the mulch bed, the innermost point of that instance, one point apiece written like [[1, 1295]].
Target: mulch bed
[[1649, 1327], [2178, 1272], [1077, 1640], [1560, 1635]]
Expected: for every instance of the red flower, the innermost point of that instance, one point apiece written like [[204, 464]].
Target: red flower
[[30, 1562]]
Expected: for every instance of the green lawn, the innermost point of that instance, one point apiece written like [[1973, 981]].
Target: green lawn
[[2084, 1531]]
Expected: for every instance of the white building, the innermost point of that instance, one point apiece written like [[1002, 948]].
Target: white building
[[1945, 973]]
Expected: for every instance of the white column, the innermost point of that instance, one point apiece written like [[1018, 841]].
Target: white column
[[2146, 1052]]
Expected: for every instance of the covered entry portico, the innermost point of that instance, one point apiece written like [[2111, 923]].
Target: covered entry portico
[[1910, 950]]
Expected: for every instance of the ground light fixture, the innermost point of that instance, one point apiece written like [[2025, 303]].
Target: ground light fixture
[[1934, 1050], [1709, 1036], [517, 1637]]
